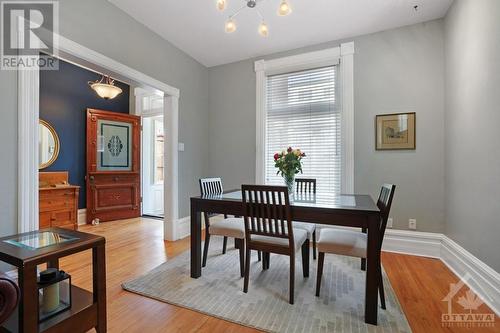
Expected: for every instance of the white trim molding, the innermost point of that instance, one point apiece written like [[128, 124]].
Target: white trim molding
[[482, 279], [341, 55], [82, 216], [28, 111], [28, 96]]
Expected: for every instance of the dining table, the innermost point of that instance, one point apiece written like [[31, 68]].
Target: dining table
[[348, 210]]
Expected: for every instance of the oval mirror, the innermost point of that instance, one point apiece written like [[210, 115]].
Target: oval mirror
[[48, 145]]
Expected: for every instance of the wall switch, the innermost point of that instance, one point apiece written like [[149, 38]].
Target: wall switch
[[412, 224], [389, 222], [181, 146]]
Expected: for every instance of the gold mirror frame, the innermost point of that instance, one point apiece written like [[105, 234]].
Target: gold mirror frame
[[56, 145]]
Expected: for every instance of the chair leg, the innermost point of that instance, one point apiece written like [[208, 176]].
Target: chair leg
[[205, 248], [240, 245], [247, 270], [363, 260], [292, 278], [259, 255], [381, 289], [268, 259], [314, 244], [305, 258], [321, 261], [265, 260], [224, 245]]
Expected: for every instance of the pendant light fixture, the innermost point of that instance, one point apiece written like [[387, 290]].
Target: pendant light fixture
[[230, 25], [105, 87], [284, 8]]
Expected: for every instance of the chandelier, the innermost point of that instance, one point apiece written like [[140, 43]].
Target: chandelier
[[105, 87], [283, 10]]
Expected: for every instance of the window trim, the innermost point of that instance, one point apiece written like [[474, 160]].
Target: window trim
[[343, 56]]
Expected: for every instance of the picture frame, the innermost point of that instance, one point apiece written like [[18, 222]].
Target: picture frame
[[395, 131]]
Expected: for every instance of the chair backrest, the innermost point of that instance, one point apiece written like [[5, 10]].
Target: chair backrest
[[384, 203], [266, 211], [305, 185], [211, 186]]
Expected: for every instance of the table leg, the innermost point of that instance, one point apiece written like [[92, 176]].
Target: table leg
[[195, 242], [54, 263], [99, 285], [28, 305], [373, 263]]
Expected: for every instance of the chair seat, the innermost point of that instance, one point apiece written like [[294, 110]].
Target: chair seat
[[299, 236], [344, 242], [233, 227], [309, 227]]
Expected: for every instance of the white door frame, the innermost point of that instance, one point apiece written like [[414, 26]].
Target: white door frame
[[28, 116]]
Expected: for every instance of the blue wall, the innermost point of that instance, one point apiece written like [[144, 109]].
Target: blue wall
[[64, 99]]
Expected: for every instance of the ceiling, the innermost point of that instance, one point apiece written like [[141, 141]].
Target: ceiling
[[197, 27]]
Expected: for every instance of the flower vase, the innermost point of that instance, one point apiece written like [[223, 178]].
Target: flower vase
[[290, 184]]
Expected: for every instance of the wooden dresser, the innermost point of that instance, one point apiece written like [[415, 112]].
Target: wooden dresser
[[58, 201]]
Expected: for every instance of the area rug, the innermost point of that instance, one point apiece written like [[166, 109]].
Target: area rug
[[219, 293]]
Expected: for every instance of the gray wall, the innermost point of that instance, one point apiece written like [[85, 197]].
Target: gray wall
[[472, 36], [100, 26], [398, 70]]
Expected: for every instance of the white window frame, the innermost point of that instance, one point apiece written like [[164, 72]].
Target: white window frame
[[343, 56]]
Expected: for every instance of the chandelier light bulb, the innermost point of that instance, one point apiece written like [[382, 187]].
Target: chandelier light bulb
[[221, 5], [284, 8], [230, 26], [263, 29]]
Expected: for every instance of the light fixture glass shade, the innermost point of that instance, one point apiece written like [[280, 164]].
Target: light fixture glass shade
[[105, 88], [221, 5], [230, 26], [284, 8], [263, 29]]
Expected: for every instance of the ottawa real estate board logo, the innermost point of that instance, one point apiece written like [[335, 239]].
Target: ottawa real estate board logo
[[29, 33], [465, 307]]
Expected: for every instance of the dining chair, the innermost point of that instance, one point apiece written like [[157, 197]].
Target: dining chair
[[354, 243], [306, 188], [232, 227], [269, 228]]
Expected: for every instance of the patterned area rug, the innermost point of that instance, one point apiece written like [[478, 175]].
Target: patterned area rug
[[219, 293]]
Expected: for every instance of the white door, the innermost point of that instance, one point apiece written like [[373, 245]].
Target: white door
[[153, 141]]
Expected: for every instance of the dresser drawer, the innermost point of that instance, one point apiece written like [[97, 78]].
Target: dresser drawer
[[57, 193], [45, 219], [59, 218], [55, 203]]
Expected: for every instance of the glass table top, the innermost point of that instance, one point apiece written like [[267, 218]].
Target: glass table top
[[40, 240], [340, 201]]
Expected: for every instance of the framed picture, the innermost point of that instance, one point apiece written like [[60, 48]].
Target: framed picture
[[114, 142], [395, 131]]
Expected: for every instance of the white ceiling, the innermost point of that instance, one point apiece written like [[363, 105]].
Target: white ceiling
[[197, 27]]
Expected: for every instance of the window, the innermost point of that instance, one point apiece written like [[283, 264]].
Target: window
[[302, 112]]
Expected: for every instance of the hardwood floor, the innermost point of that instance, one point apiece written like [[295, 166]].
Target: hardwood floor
[[135, 246]]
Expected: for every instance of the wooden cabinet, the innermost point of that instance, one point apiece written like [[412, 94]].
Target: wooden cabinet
[[58, 201]]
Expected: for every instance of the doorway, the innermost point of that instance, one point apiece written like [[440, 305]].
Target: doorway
[[150, 107], [153, 142]]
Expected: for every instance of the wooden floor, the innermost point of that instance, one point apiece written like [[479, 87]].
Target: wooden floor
[[135, 246]]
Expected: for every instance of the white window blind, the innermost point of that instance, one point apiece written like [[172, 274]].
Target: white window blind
[[302, 113]]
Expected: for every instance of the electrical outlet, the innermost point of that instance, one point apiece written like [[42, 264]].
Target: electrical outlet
[[389, 222], [412, 224]]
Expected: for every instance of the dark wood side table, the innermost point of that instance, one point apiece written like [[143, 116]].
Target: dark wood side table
[[27, 250]]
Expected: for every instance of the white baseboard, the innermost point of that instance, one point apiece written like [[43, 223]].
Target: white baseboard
[[481, 278], [82, 216], [424, 244]]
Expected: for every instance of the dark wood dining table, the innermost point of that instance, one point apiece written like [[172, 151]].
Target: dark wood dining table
[[340, 210]]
